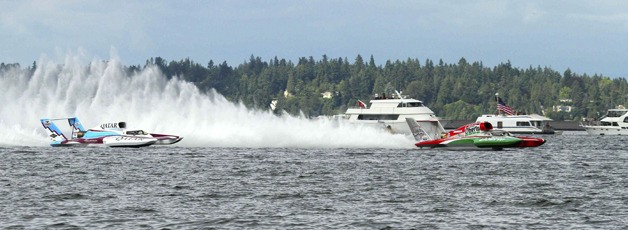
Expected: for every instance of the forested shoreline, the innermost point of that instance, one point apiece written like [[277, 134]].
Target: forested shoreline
[[456, 91]]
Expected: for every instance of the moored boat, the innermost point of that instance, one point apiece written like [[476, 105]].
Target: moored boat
[[615, 122], [390, 113], [519, 124], [506, 119]]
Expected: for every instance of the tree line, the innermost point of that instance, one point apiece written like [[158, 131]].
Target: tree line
[[460, 90]]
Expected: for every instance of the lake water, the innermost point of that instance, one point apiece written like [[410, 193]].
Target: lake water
[[573, 181]]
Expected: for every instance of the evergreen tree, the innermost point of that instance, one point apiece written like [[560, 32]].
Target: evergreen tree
[[461, 90]]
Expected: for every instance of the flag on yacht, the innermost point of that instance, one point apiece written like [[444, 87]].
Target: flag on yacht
[[361, 104], [501, 106]]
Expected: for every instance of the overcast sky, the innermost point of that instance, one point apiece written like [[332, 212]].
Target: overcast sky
[[586, 36]]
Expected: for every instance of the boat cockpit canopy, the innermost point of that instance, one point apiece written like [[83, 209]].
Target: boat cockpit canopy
[[136, 132]]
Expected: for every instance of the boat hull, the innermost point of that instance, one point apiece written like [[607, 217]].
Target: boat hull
[[532, 131], [530, 142], [110, 141], [471, 143], [605, 130], [496, 142], [165, 139], [78, 142], [128, 141]]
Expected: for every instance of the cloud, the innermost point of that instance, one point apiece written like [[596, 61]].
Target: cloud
[[618, 21], [533, 14], [233, 30]]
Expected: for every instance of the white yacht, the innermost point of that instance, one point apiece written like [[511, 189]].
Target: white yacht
[[391, 114], [614, 123], [519, 124]]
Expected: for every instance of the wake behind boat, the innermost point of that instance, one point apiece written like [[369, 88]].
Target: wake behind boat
[[107, 134]]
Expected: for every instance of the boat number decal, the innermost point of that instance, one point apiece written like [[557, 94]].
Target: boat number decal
[[471, 130], [492, 139], [129, 139]]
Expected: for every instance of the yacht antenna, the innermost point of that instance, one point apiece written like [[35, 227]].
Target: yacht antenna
[[399, 94]]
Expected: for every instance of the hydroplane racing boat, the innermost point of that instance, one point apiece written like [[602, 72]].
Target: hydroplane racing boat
[[107, 134], [478, 135]]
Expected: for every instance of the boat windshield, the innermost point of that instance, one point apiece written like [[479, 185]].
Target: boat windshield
[[377, 117], [613, 113], [136, 132]]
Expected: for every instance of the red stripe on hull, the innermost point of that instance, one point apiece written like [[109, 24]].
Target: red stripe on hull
[[530, 142]]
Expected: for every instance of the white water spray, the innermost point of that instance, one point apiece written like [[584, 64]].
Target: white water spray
[[104, 92]]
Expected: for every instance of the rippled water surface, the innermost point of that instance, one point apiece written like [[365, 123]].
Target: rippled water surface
[[573, 181]]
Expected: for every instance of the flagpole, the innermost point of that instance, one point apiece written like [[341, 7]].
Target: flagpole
[[497, 103]]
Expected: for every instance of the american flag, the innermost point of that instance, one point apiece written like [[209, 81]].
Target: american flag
[[501, 106]]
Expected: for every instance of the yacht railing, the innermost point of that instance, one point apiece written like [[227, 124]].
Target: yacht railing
[[389, 110]]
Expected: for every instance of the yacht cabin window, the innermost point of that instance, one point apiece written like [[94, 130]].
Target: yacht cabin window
[[523, 123], [377, 117], [409, 104], [606, 123]]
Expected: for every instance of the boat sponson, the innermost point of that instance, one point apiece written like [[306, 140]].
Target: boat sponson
[[530, 142]]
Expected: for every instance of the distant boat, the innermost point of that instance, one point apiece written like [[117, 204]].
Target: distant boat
[[390, 113], [615, 122], [506, 119], [519, 124]]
